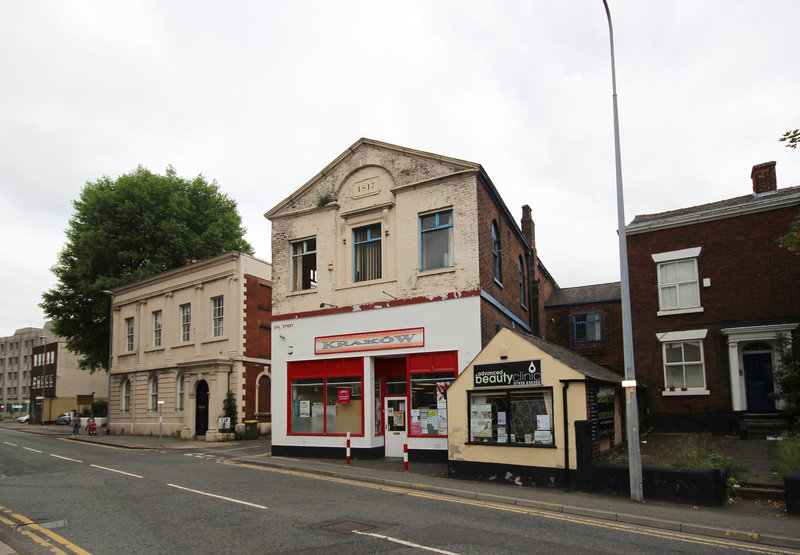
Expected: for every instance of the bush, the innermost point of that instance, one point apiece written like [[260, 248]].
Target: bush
[[787, 455], [100, 408]]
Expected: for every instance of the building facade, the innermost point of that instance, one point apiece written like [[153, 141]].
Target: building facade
[[16, 364], [392, 268], [185, 338], [711, 294]]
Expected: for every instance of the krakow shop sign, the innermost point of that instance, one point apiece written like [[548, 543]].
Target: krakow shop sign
[[525, 373], [370, 341]]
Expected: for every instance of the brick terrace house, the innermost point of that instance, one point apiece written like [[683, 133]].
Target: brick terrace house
[[711, 291], [183, 339], [392, 268], [588, 321]]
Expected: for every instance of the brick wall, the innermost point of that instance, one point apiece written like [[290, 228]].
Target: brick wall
[[608, 352], [257, 336]]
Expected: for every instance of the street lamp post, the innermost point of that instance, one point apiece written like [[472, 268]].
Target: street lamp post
[[632, 410], [110, 344], [44, 367]]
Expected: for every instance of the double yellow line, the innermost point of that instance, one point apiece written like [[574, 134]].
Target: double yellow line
[[38, 534]]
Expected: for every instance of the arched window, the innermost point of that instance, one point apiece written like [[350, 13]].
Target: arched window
[[126, 395], [154, 393], [498, 274], [179, 390], [264, 397]]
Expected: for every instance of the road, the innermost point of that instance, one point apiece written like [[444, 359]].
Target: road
[[90, 498]]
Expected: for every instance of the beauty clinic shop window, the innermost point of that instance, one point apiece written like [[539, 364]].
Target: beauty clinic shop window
[[519, 414], [429, 404], [326, 397]]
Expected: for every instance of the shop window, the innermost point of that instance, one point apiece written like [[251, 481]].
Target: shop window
[[367, 253], [304, 264], [428, 403], [513, 417], [326, 397], [436, 240]]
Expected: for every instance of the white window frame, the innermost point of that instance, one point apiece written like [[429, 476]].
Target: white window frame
[[186, 322], [130, 335], [125, 405], [157, 327], [153, 394], [217, 316], [428, 234], [687, 336], [179, 388], [675, 257], [362, 251]]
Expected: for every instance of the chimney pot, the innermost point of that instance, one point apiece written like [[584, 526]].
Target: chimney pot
[[764, 178]]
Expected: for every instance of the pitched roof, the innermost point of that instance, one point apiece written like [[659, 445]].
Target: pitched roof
[[771, 200], [575, 361], [585, 294]]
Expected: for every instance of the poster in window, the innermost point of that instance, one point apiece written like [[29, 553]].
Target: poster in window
[[543, 422], [399, 418], [481, 420], [441, 400], [433, 423], [305, 409], [344, 396], [442, 421], [501, 418]]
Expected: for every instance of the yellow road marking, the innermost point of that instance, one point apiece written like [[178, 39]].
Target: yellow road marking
[[35, 532]]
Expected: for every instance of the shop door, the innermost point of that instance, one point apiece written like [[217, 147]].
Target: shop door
[[395, 416], [758, 381]]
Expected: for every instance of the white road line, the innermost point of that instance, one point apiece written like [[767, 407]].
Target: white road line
[[403, 542], [117, 471], [31, 449], [11, 444], [218, 496], [65, 458]]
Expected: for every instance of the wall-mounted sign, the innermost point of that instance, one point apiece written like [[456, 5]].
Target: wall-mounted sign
[[370, 341], [365, 187], [522, 373]]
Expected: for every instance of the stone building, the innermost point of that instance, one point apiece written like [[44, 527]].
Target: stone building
[[183, 339]]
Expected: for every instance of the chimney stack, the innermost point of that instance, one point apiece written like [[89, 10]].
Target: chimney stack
[[764, 179]]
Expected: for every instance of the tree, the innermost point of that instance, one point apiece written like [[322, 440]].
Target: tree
[[136, 226], [787, 373], [791, 138]]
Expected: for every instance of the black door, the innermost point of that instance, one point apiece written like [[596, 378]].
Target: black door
[[758, 381], [201, 409]]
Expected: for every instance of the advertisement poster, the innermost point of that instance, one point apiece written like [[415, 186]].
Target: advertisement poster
[[399, 419], [305, 409], [543, 422], [481, 421], [344, 396]]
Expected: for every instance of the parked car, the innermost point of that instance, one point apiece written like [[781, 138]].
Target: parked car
[[24, 419], [65, 418]]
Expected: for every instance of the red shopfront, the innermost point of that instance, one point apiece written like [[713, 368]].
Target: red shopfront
[[387, 400]]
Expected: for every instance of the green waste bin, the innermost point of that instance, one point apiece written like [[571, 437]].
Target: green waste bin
[[251, 429]]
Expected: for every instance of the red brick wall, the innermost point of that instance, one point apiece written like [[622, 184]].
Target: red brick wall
[[257, 337], [608, 352], [753, 281]]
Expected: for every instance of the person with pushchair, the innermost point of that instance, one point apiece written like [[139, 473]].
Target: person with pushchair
[[91, 427]]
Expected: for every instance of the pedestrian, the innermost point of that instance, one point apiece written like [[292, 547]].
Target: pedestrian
[[76, 424]]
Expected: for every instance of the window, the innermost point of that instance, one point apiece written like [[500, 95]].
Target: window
[[498, 274], [126, 395], [304, 265], [428, 402], [129, 334], [367, 253], [587, 327], [436, 240], [157, 328], [522, 417], [678, 287], [523, 297], [326, 396], [217, 309], [186, 323], [153, 393], [179, 389], [683, 365]]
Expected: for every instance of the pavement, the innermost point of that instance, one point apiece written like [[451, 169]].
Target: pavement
[[763, 522]]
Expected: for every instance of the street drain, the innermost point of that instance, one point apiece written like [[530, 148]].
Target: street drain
[[348, 527]]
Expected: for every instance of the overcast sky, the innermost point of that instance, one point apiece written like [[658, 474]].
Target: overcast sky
[[260, 96]]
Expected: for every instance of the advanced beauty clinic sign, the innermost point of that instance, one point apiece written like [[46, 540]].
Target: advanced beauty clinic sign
[[522, 373], [370, 341]]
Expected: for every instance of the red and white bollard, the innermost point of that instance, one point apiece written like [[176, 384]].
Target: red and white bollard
[[405, 456], [348, 447]]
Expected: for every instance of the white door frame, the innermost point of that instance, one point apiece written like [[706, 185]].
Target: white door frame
[[394, 440]]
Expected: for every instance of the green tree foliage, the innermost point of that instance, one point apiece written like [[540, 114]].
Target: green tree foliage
[[229, 409], [791, 240], [791, 138], [124, 230], [787, 373]]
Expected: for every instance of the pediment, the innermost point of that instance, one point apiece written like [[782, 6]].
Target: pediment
[[368, 174]]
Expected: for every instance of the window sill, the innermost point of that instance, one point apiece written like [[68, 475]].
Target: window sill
[[437, 271], [365, 284], [498, 282], [127, 354], [179, 345], [682, 392], [154, 349], [214, 340], [679, 311], [515, 444], [301, 292]]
